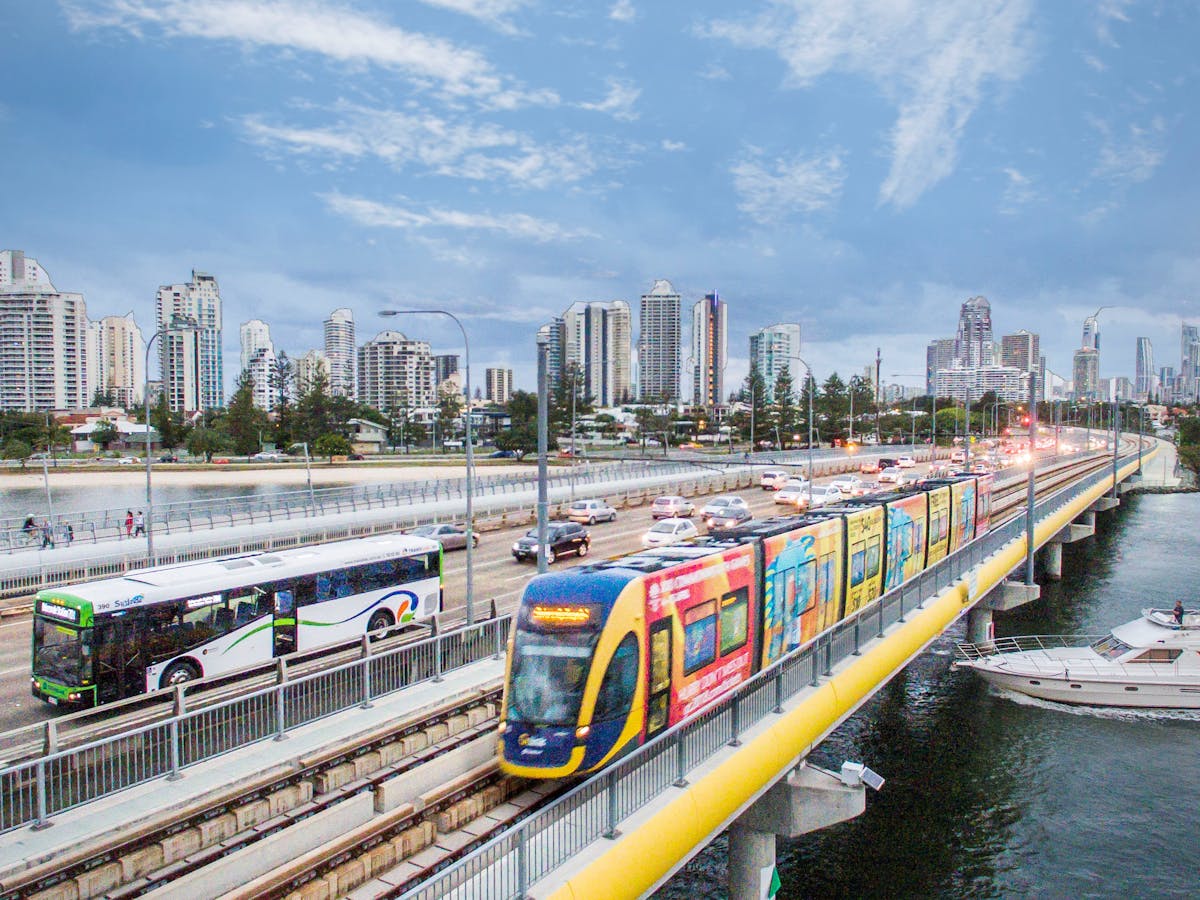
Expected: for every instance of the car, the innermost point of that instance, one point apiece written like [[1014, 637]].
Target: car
[[960, 456], [773, 479], [794, 493], [863, 488], [561, 538], [672, 507], [885, 461], [669, 531], [450, 536], [826, 495], [169, 457], [691, 445], [905, 462], [869, 466], [503, 454], [355, 457], [892, 475], [846, 483], [269, 456], [981, 467], [725, 512], [591, 511]]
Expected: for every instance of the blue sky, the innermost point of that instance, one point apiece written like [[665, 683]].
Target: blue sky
[[859, 166]]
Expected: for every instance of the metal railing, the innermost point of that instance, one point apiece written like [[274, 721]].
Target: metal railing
[[32, 792], [509, 864], [1025, 643]]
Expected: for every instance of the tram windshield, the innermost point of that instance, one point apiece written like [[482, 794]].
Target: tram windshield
[[548, 677], [62, 652], [1111, 647]]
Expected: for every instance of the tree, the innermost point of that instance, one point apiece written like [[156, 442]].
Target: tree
[[786, 414], [168, 423], [833, 406], [522, 408], [104, 434], [282, 374], [754, 392], [450, 408], [331, 445], [15, 448], [521, 439], [243, 421], [863, 394], [104, 397], [571, 383], [314, 413], [205, 442]]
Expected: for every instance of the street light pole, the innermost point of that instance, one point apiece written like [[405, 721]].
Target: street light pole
[[543, 443], [387, 313]]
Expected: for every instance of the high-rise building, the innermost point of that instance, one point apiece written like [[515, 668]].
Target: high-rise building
[[1091, 334], [395, 372], [190, 360], [258, 360], [659, 343], [308, 368], [773, 349], [710, 337], [499, 385], [554, 334], [974, 345], [445, 365], [339, 351], [938, 355], [1021, 351], [970, 384], [1189, 361], [43, 339], [116, 360], [1143, 372], [1086, 375], [598, 344]]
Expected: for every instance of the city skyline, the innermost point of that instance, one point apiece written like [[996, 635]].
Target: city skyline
[[872, 158]]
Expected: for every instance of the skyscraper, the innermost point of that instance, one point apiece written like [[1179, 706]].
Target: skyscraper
[[1189, 360], [499, 384], [938, 355], [1091, 334], [554, 333], [258, 360], [1086, 374], [659, 343], [598, 344], [395, 372], [192, 369], [43, 339], [445, 365], [710, 334], [117, 360], [1143, 381], [974, 345], [774, 349], [309, 367], [339, 350], [1021, 351]]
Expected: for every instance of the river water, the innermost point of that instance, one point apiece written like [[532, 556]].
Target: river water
[[995, 795]]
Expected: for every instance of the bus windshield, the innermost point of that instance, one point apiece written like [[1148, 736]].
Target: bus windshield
[[61, 652], [548, 677]]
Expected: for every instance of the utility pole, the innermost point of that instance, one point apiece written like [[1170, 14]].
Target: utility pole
[[543, 440], [878, 394], [1030, 485]]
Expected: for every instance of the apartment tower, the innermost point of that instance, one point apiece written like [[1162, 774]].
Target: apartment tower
[[659, 343], [710, 333], [190, 358], [340, 352]]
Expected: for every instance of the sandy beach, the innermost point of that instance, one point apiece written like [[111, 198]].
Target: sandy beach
[[284, 475]]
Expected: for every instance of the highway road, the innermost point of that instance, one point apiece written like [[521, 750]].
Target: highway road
[[497, 576]]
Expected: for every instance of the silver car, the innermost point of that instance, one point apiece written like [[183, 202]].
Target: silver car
[[671, 507], [589, 512], [451, 537], [725, 512]]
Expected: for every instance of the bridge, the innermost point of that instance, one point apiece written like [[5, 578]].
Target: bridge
[[738, 766]]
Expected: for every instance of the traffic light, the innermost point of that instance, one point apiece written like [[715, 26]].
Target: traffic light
[[1024, 420]]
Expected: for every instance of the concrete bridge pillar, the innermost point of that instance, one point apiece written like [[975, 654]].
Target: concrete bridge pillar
[[979, 625], [1088, 518], [1052, 559], [808, 799]]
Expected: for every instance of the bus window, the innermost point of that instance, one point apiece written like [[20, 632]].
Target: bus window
[[617, 687], [735, 617], [341, 582], [324, 587], [285, 602], [245, 603], [303, 589]]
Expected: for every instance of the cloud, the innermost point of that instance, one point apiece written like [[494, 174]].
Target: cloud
[[1130, 157], [622, 94], [337, 33], [1018, 192], [622, 11], [673, 146], [381, 215], [439, 146], [932, 61], [772, 190], [1107, 12], [490, 12]]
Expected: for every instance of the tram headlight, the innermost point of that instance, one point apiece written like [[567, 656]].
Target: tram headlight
[[582, 732]]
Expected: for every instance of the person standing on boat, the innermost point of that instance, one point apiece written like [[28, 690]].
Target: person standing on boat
[[1178, 612]]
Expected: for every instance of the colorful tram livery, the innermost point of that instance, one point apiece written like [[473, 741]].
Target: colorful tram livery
[[151, 628], [606, 656]]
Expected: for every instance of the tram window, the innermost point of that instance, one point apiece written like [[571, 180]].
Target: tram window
[[617, 687], [806, 577], [699, 636], [873, 556], [919, 532], [660, 660], [858, 562], [827, 579], [735, 617], [656, 716]]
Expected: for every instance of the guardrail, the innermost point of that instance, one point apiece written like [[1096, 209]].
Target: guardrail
[[32, 792], [509, 864]]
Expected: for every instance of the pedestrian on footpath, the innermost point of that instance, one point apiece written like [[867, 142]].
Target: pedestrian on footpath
[[70, 534], [47, 535], [128, 523], [139, 524]]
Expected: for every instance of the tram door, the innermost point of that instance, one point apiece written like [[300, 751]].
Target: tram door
[[285, 622], [658, 692]]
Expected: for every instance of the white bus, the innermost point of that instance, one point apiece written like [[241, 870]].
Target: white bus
[[152, 628]]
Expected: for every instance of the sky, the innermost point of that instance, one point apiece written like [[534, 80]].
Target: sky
[[861, 167]]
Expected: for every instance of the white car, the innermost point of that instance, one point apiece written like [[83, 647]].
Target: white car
[[905, 462], [773, 479], [269, 456], [826, 495], [892, 475], [846, 483], [725, 512], [794, 493], [672, 507], [669, 531]]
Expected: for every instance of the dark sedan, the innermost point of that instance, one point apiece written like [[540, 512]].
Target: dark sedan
[[562, 537]]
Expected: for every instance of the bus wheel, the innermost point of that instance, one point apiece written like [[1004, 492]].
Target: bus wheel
[[179, 673], [379, 620]]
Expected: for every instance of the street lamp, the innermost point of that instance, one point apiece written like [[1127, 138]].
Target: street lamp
[[808, 378], [177, 323], [932, 416], [387, 313]]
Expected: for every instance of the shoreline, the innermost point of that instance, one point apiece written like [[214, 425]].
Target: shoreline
[[285, 475]]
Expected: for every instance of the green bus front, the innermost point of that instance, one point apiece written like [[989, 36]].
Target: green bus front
[[63, 661]]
